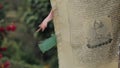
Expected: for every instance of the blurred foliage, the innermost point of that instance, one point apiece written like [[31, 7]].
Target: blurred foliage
[[22, 44], [37, 11]]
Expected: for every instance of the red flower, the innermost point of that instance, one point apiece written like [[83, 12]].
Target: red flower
[[8, 28], [1, 56], [7, 64], [3, 49], [11, 27], [2, 29]]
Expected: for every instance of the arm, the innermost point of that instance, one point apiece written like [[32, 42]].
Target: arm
[[49, 17], [43, 25]]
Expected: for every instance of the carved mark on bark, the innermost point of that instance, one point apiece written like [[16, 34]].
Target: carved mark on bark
[[101, 44], [98, 25]]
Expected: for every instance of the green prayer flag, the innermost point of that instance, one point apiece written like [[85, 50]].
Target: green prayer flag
[[48, 44]]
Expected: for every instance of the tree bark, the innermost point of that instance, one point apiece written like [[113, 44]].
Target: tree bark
[[87, 33]]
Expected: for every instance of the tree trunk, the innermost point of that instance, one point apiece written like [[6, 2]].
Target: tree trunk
[[87, 33]]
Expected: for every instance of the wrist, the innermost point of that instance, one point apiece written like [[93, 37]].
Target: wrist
[[45, 21]]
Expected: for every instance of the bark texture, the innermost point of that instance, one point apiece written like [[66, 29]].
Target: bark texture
[[87, 32]]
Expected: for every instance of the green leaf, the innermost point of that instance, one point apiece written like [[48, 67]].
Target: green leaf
[[26, 15], [31, 19], [48, 44]]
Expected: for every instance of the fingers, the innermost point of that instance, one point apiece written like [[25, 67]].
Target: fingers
[[38, 30], [41, 29]]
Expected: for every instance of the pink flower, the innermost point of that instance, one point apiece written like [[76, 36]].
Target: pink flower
[[1, 56], [7, 64]]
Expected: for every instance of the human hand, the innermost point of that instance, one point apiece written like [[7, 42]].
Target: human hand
[[42, 26]]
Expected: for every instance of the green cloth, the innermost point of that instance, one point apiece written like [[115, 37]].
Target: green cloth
[[48, 44]]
